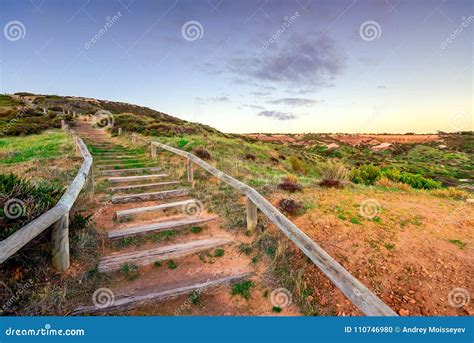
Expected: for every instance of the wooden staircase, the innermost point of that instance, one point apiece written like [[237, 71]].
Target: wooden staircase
[[155, 210]]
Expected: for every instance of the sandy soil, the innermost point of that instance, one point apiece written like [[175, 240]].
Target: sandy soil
[[405, 258]]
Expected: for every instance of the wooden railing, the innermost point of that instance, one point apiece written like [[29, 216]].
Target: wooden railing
[[359, 294], [57, 217]]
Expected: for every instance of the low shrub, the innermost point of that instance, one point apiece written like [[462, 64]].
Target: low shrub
[[333, 174], [298, 165], [202, 153], [21, 201], [290, 184], [418, 181], [386, 182], [366, 174], [250, 157], [451, 193]]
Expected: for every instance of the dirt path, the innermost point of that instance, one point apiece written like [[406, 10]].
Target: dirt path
[[164, 253]]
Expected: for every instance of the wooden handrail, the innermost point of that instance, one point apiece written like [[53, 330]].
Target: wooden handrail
[[56, 216], [360, 295]]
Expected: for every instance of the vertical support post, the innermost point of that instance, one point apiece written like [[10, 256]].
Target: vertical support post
[[91, 179], [63, 124], [119, 131], [190, 169], [60, 240], [153, 150], [134, 138], [251, 215]]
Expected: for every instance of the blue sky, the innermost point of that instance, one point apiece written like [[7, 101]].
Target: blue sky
[[253, 66]]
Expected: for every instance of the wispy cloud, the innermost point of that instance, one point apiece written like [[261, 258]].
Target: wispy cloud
[[299, 63], [257, 107], [277, 115], [213, 99], [293, 101]]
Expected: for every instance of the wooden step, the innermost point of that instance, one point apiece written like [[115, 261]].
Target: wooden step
[[140, 210], [133, 300], [123, 199], [146, 185], [103, 158], [136, 178], [121, 171], [100, 163], [123, 165], [160, 226], [140, 258]]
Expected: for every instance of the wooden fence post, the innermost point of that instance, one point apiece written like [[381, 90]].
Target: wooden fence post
[[190, 169], [153, 151], [119, 131], [251, 215], [134, 138], [60, 240], [91, 179]]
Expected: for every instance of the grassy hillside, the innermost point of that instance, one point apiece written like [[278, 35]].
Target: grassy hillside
[[26, 113]]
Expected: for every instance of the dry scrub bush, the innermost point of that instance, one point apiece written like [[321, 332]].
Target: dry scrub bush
[[334, 174], [386, 182], [451, 193]]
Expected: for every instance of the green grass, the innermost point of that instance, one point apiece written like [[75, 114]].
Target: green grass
[[47, 145], [389, 246], [130, 271], [6, 100], [242, 289], [276, 309], [157, 263], [246, 249], [219, 252], [172, 264], [196, 229], [458, 243]]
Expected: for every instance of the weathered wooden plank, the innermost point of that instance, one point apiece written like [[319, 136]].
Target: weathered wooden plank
[[146, 185], [102, 158], [125, 165], [140, 258], [132, 300], [129, 170], [159, 226], [136, 178], [123, 199], [359, 294], [140, 210]]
